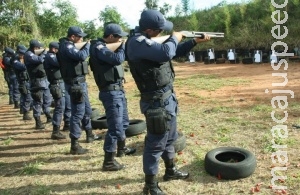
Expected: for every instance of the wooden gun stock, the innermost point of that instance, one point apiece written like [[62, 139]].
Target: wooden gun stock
[[39, 51]]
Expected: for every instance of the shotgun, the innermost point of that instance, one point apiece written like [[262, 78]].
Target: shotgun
[[186, 34]]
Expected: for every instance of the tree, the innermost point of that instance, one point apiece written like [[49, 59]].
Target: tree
[[110, 14], [151, 4], [55, 20], [185, 6], [165, 9]]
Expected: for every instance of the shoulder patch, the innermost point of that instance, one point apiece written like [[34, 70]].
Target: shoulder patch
[[70, 46], [31, 54], [149, 42], [99, 47], [140, 38], [52, 55]]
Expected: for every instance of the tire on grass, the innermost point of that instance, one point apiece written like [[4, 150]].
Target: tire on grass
[[180, 143], [220, 61], [136, 127], [99, 122], [247, 60], [230, 163], [95, 113]]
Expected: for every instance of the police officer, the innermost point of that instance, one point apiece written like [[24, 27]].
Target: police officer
[[152, 70], [23, 80], [109, 74], [74, 67], [40, 92], [14, 94], [57, 88]]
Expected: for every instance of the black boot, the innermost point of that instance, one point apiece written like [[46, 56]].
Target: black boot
[[172, 173], [122, 150], [56, 134], [38, 123], [90, 137], [17, 105], [76, 148], [21, 110], [66, 127], [151, 186], [110, 164], [49, 117], [11, 101], [26, 116]]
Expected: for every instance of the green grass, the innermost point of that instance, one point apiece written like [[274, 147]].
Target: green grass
[[8, 141], [40, 189], [31, 168], [209, 82]]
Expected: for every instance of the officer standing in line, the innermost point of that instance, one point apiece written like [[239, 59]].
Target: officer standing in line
[[6, 78], [23, 80], [151, 67], [40, 92], [14, 93], [109, 75], [57, 88], [74, 67]]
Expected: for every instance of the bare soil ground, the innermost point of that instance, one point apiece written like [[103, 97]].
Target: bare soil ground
[[238, 114]]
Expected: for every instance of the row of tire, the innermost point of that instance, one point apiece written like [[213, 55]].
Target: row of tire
[[246, 60], [136, 127]]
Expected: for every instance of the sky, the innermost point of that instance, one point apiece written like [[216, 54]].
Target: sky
[[130, 10]]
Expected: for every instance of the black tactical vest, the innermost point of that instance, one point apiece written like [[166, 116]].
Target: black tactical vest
[[151, 76], [8, 65], [104, 73], [69, 68], [52, 72], [36, 71]]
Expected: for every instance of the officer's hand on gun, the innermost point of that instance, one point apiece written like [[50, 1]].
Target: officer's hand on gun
[[200, 39], [179, 36]]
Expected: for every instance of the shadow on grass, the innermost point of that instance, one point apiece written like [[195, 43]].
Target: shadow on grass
[[4, 148], [78, 187]]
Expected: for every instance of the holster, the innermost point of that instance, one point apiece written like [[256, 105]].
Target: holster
[[76, 93], [23, 89], [56, 91], [37, 95], [157, 120]]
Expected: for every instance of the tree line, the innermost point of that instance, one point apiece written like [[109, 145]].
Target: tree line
[[246, 25]]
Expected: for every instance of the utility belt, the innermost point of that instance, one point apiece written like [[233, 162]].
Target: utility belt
[[76, 80], [39, 79], [112, 87]]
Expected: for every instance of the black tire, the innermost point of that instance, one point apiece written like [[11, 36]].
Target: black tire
[[99, 122], [247, 61], [230, 163], [136, 127], [220, 61], [180, 143], [95, 113]]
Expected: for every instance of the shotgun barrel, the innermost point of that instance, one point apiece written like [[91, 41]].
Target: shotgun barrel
[[192, 34]]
